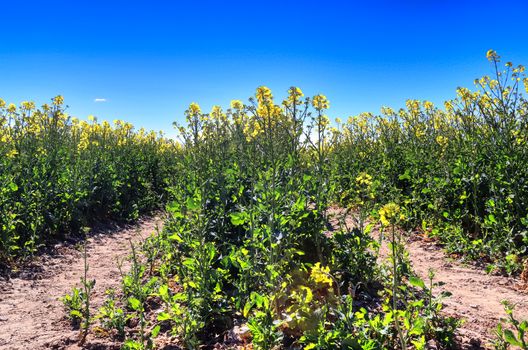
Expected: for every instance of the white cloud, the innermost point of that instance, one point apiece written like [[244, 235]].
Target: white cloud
[[100, 100]]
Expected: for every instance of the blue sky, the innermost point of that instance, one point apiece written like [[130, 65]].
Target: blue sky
[[150, 59]]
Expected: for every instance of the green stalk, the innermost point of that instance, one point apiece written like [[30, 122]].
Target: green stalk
[[395, 284]]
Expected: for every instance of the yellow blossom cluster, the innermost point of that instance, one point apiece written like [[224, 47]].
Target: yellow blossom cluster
[[237, 105], [492, 56], [321, 275], [28, 122], [364, 179], [295, 96], [194, 108], [442, 141], [320, 102], [264, 96], [390, 214]]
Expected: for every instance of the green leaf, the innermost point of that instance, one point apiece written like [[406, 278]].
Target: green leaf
[[405, 176], [135, 304], [192, 204], [178, 297], [247, 307], [175, 209], [369, 227], [163, 316], [175, 237], [491, 219], [510, 338], [189, 262], [415, 281], [164, 291], [75, 314], [155, 331], [211, 251], [238, 219]]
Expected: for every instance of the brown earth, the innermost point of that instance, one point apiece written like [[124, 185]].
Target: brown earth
[[31, 314], [476, 296]]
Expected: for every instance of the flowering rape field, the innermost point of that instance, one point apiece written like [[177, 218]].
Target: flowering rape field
[[59, 174], [253, 253]]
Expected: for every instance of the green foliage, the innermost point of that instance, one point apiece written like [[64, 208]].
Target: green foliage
[[59, 174], [510, 331], [74, 304], [78, 302], [113, 317], [251, 239], [458, 172], [271, 211]]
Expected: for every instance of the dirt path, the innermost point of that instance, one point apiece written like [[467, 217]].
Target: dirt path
[[476, 296], [31, 315]]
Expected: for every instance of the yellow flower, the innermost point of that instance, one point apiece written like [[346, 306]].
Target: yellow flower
[[389, 214], [237, 104], [485, 101], [28, 105], [364, 179], [58, 100], [320, 102], [491, 55], [482, 81], [387, 111], [428, 105], [363, 188], [493, 83], [194, 108], [264, 96], [321, 275], [465, 94], [252, 130], [442, 140], [2, 103], [419, 132], [218, 114], [413, 106], [11, 108], [105, 124], [294, 96], [12, 153]]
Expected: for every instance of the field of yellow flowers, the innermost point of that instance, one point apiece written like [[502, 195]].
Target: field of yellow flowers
[[59, 174], [248, 243]]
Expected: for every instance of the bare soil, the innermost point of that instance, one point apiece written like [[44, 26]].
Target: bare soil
[[31, 314], [476, 296]]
